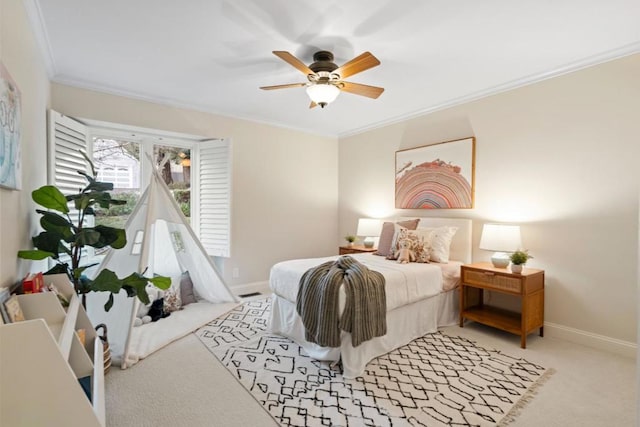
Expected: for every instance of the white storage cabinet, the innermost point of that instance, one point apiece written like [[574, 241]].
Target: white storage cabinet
[[41, 360]]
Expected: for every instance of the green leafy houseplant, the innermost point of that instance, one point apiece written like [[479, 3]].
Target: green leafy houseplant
[[520, 257], [350, 238], [63, 239]]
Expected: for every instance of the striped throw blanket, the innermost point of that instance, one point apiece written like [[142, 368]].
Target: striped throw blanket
[[365, 312]]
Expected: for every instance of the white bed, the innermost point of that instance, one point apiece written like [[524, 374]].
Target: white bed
[[422, 297]]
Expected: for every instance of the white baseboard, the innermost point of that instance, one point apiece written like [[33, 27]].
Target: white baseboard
[[601, 342], [262, 287]]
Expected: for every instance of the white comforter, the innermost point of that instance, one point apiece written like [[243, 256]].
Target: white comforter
[[405, 283]]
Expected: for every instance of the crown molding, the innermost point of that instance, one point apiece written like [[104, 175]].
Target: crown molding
[[591, 61], [607, 56], [34, 14], [170, 102]]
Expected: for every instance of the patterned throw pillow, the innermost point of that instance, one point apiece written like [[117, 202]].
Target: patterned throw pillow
[[420, 243], [388, 232], [172, 300]]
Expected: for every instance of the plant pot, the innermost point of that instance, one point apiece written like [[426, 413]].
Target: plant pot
[[350, 244], [516, 268]]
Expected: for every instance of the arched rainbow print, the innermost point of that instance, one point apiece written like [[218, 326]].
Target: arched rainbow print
[[433, 185]]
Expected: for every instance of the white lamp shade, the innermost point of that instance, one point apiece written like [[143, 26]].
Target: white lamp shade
[[500, 237], [323, 94], [368, 227]]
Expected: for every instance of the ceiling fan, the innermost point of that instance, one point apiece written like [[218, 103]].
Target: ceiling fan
[[326, 78]]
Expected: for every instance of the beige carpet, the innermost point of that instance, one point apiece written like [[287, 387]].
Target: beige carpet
[[185, 385]]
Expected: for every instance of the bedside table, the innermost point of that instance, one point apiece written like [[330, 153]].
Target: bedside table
[[528, 286], [355, 249]]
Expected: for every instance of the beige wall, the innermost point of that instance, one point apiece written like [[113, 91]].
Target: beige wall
[[20, 55], [285, 191], [559, 157]]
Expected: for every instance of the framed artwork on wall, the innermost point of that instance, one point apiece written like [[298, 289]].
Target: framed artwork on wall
[[437, 176], [10, 174]]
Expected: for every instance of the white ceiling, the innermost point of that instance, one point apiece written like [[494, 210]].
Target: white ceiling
[[212, 55]]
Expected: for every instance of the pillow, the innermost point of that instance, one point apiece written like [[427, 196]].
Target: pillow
[[419, 243], [387, 233], [440, 243], [187, 294], [387, 249], [172, 300]]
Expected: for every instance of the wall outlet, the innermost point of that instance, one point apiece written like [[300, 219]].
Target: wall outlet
[[236, 272]]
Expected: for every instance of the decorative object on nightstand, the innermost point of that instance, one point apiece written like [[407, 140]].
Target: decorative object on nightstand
[[350, 239], [500, 238], [528, 286], [369, 228], [518, 259], [354, 249]]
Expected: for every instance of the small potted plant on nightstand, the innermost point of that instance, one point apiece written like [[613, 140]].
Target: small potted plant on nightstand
[[350, 239], [518, 259]]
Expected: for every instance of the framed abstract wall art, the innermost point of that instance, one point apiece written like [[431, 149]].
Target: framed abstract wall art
[[438, 176], [10, 175]]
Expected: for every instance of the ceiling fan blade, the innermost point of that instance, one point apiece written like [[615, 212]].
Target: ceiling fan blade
[[357, 65], [292, 60], [312, 105], [360, 89], [283, 86]]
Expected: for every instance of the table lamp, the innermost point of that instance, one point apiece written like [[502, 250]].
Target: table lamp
[[368, 228], [500, 238]]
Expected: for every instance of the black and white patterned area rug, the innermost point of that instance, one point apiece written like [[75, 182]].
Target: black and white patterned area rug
[[436, 380]]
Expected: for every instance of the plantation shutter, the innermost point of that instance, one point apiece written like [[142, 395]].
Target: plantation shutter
[[66, 138], [214, 201]]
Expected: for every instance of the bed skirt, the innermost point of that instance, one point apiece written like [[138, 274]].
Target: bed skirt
[[404, 324]]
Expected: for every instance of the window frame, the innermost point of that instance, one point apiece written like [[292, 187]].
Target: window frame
[[148, 139]]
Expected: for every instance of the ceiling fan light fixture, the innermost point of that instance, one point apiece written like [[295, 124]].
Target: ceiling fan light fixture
[[322, 93], [326, 79]]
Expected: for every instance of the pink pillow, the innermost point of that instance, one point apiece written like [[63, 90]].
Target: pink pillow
[[388, 230]]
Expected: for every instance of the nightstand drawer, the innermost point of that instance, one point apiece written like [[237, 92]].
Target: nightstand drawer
[[491, 280], [355, 249], [345, 251]]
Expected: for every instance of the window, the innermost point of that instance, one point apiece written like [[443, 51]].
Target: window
[[175, 168], [197, 171], [117, 161]]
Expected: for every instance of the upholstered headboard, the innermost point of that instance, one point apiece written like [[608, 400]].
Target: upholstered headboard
[[461, 249]]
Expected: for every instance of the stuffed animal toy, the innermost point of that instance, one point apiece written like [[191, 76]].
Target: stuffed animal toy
[[157, 312], [405, 254], [142, 316]]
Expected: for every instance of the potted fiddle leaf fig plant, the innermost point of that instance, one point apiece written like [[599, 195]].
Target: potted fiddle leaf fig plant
[[518, 259], [65, 235]]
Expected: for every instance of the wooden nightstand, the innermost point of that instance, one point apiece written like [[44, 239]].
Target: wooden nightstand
[[528, 286], [355, 249]]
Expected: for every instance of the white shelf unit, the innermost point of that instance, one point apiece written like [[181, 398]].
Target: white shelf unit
[[42, 358]]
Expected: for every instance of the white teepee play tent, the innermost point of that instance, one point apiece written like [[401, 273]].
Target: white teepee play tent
[[160, 241]]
